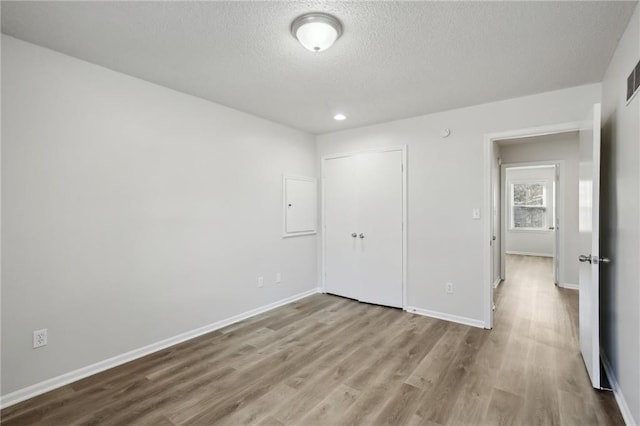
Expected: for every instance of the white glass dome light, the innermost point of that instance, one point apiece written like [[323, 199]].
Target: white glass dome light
[[316, 31]]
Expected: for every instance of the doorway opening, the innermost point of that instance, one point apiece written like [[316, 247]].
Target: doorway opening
[[536, 207], [532, 212], [587, 243], [532, 177]]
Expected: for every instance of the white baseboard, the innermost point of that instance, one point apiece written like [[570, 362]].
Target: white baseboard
[[447, 317], [570, 286], [497, 282], [73, 376], [526, 253], [617, 393]]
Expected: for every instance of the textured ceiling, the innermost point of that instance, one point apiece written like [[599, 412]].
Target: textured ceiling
[[394, 60]]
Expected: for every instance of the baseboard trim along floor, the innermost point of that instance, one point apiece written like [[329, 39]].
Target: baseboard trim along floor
[[570, 286], [75, 375], [526, 253], [617, 393], [447, 317], [497, 282]]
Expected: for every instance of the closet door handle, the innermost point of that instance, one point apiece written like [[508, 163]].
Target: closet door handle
[[354, 235], [361, 236]]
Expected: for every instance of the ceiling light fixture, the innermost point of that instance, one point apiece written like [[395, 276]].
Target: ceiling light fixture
[[316, 31], [339, 117]]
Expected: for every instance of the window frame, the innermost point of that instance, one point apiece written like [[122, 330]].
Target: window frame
[[545, 205]]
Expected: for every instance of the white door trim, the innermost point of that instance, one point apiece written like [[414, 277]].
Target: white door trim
[[560, 209], [489, 139], [403, 149]]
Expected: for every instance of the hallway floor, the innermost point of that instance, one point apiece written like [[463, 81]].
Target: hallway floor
[[537, 324]]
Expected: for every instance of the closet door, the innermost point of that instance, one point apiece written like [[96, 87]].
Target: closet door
[[380, 216], [340, 210]]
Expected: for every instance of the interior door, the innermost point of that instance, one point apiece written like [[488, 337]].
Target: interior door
[[380, 227], [341, 227], [588, 225]]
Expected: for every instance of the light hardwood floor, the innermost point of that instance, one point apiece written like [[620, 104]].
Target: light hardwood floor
[[326, 360]]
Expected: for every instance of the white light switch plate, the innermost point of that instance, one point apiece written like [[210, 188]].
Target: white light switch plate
[[475, 213]]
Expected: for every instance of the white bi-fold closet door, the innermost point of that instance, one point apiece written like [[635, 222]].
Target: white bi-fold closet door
[[364, 231]]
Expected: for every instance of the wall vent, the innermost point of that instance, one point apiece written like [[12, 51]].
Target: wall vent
[[633, 81]]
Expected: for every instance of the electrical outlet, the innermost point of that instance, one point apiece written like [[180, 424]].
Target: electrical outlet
[[449, 288], [278, 278], [260, 281], [39, 338]]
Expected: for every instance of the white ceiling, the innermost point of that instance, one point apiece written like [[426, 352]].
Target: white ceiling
[[394, 60]]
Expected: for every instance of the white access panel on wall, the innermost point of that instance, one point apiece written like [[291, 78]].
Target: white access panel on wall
[[300, 205], [364, 235]]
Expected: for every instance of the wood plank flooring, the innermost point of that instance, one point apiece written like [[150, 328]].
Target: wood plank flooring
[[326, 360]]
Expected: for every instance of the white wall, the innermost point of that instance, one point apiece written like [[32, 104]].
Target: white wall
[[535, 243], [133, 213], [565, 147], [445, 182], [620, 202]]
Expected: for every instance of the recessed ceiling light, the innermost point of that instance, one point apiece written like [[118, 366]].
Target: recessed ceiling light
[[316, 31], [339, 117]]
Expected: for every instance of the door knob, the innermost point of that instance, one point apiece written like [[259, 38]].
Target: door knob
[[354, 235], [583, 258], [551, 228], [605, 260], [361, 236]]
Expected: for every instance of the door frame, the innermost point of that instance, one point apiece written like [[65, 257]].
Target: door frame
[[559, 207], [488, 154], [401, 148]]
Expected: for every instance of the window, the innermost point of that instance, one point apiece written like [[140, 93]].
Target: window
[[529, 206]]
